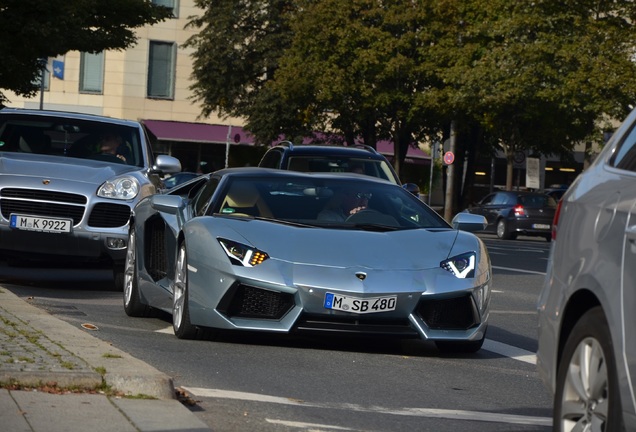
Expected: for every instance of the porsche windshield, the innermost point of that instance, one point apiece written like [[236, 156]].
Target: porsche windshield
[[69, 137], [340, 202]]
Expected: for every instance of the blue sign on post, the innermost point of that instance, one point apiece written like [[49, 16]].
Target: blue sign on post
[[58, 69]]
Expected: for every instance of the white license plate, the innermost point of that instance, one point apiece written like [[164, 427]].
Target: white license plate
[[541, 226], [360, 305], [42, 224]]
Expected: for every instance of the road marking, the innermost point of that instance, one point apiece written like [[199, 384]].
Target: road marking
[[518, 270], [312, 426], [167, 330], [510, 351], [413, 412]]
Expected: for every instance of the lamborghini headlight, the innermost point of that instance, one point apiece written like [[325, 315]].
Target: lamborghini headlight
[[242, 254], [462, 266], [123, 188]]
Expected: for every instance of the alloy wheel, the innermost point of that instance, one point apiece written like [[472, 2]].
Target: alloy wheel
[[180, 283], [129, 268], [585, 402]]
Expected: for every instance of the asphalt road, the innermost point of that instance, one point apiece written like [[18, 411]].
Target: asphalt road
[[255, 382]]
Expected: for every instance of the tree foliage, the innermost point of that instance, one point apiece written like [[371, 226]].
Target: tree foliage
[[236, 52], [35, 29], [534, 76]]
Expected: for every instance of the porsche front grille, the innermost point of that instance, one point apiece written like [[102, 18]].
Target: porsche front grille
[[245, 301], [108, 215], [457, 313], [42, 203]]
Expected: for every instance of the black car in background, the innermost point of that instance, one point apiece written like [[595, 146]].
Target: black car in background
[[359, 159], [510, 213]]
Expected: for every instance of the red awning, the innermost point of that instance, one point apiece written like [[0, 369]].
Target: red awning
[[387, 149], [197, 132], [166, 130]]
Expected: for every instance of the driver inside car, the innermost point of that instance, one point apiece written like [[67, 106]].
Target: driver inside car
[[344, 204], [111, 144]]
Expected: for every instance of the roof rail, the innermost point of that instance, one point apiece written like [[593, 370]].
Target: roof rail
[[366, 147], [287, 144]]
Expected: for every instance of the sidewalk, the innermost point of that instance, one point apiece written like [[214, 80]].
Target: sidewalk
[[40, 351]]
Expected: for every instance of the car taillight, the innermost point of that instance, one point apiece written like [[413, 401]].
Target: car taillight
[[519, 210], [555, 221]]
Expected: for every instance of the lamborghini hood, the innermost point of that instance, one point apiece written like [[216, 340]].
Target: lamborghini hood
[[346, 248]]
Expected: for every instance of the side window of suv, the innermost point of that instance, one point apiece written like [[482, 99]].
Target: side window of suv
[[271, 159], [625, 156]]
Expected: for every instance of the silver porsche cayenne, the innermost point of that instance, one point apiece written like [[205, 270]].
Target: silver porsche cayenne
[[587, 338], [62, 197]]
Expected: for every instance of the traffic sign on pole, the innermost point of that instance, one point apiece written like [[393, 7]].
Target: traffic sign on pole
[[449, 157]]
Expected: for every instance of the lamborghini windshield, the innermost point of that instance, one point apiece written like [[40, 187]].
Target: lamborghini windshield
[[345, 202]]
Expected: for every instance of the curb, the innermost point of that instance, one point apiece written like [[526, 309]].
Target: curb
[[124, 373]]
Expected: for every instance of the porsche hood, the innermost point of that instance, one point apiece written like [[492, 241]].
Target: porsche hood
[[55, 167]]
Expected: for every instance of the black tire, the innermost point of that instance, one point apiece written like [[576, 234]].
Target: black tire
[[181, 324], [599, 411], [119, 273], [503, 230], [132, 299]]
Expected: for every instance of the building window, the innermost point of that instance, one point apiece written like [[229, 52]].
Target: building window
[[92, 72], [172, 4], [161, 70]]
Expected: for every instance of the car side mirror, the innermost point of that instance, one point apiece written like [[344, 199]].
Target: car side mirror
[[469, 222], [165, 164]]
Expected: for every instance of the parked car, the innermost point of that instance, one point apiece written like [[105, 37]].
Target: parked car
[[586, 341], [329, 158], [249, 249], [510, 213], [63, 198]]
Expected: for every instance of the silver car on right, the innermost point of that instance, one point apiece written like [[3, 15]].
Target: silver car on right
[[587, 308]]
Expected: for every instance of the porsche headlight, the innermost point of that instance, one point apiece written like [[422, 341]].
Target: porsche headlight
[[123, 188], [242, 254], [462, 266]]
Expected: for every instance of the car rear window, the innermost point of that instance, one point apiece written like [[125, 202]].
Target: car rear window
[[537, 201]]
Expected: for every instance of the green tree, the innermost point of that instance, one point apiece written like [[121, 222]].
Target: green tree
[[541, 76], [236, 53], [534, 76], [36, 29], [360, 74]]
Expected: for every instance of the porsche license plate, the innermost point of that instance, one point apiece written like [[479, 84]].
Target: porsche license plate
[[360, 305], [43, 224]]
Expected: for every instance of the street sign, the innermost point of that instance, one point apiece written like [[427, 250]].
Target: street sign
[[449, 157]]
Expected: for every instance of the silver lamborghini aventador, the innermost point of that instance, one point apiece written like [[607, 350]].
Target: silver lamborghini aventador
[[268, 250]]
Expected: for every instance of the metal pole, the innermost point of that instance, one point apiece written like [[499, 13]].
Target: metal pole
[[449, 205], [42, 61], [430, 181], [227, 146]]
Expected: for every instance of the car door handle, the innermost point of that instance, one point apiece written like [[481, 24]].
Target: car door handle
[[630, 233]]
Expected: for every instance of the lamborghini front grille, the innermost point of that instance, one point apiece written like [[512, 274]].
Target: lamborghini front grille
[[457, 313], [245, 301]]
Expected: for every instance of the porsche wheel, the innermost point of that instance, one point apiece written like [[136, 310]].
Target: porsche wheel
[[183, 329], [132, 302], [587, 395]]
